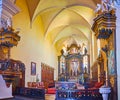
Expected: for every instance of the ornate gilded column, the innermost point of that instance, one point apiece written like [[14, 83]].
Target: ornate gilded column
[[104, 27]]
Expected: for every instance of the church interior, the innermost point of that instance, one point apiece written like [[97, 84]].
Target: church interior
[[72, 49]]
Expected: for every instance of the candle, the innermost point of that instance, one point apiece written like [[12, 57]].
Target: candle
[[106, 74], [106, 78]]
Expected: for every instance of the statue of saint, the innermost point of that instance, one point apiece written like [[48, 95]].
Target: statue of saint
[[105, 6], [74, 68], [9, 22]]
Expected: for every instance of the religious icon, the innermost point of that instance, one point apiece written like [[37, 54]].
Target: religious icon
[[74, 67], [111, 62], [33, 68]]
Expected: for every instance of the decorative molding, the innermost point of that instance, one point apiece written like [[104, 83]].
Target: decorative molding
[[9, 37], [104, 25], [10, 69], [13, 1], [10, 7], [105, 6]]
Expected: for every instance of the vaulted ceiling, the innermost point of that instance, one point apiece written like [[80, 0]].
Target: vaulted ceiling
[[64, 21]]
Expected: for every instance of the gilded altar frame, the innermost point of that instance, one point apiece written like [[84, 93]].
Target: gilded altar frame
[[73, 67]]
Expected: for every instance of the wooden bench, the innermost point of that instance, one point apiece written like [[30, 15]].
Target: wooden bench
[[31, 92]]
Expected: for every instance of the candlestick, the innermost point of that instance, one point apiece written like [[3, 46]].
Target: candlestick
[[106, 78]]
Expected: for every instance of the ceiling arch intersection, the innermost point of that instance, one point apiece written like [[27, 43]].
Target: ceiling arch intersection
[[64, 19]]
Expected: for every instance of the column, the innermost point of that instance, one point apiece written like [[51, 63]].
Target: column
[[118, 49]]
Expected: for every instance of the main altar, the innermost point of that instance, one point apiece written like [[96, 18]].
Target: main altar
[[73, 64], [74, 75]]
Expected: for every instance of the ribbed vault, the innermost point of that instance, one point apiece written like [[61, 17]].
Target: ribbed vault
[[64, 20]]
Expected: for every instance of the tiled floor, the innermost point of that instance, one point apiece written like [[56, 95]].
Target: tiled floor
[[47, 97]]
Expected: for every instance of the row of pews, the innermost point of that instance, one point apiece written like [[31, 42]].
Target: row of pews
[[37, 93]]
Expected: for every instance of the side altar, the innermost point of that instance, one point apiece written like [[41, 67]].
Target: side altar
[[74, 64]]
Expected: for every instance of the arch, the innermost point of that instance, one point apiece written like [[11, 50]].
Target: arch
[[59, 14], [67, 6], [66, 36]]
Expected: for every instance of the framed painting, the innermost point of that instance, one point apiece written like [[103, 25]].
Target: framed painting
[[33, 68]]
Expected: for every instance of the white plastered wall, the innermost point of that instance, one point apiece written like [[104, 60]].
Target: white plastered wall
[[118, 49]]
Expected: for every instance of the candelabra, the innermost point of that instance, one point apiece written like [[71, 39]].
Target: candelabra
[[100, 61]]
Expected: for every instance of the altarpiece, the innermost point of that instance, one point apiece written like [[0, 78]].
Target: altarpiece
[[73, 64]]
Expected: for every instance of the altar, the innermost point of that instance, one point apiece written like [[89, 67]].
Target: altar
[[68, 86], [73, 65], [73, 79]]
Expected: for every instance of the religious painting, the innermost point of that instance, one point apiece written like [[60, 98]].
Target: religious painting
[[112, 67], [111, 64], [111, 58], [33, 68], [74, 67]]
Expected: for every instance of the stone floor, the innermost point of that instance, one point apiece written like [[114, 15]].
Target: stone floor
[[47, 97], [50, 97]]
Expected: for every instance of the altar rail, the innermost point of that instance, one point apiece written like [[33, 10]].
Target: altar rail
[[85, 94]]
